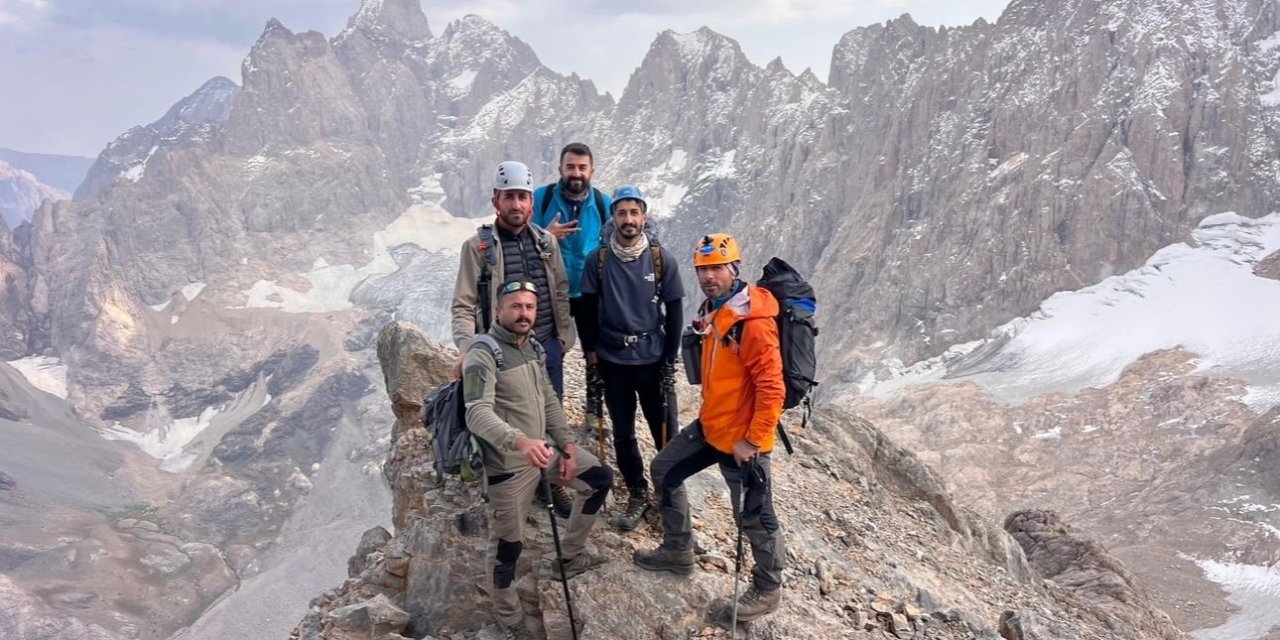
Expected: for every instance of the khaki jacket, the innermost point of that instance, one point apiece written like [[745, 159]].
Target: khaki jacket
[[466, 307], [516, 401]]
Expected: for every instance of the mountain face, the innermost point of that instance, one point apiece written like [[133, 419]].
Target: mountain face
[[16, 323], [21, 194], [64, 173], [191, 121], [216, 288], [1063, 144]]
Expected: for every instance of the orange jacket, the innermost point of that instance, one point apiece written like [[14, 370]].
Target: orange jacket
[[742, 387]]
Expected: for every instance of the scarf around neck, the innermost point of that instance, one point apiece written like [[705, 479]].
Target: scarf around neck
[[629, 254]]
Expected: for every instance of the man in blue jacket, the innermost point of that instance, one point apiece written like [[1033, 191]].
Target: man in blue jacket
[[574, 212]]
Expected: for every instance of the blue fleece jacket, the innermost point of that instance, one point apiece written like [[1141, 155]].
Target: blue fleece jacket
[[580, 245]]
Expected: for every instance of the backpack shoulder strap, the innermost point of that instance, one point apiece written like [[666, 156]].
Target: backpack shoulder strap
[[546, 200], [656, 252], [488, 246], [602, 253], [600, 206], [488, 342], [543, 239], [488, 249]]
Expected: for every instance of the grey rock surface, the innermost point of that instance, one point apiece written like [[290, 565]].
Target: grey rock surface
[[865, 553]]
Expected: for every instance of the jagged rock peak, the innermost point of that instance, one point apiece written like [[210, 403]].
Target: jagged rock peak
[[483, 37], [274, 28], [210, 103], [696, 46], [400, 19], [809, 78], [904, 22]]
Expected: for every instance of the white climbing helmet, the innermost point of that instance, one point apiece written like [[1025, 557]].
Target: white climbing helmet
[[513, 175]]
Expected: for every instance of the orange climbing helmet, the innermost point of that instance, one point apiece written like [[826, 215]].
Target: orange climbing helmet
[[716, 248]]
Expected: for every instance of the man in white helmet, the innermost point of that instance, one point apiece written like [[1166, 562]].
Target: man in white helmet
[[512, 249], [509, 250]]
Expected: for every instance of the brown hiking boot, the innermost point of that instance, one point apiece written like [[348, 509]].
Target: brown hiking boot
[[561, 500], [576, 565], [664, 558], [753, 604], [637, 504]]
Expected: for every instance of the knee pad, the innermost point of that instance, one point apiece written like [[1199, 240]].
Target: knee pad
[[505, 571], [600, 479]]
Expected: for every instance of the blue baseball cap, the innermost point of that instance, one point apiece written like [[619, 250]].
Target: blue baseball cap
[[629, 192]]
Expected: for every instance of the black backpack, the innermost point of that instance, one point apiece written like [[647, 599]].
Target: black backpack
[[797, 329], [454, 449], [797, 334]]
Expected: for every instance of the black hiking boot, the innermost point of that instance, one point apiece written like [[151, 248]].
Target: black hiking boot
[[677, 561], [637, 504]]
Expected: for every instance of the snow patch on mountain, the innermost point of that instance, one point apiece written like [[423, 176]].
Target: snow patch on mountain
[[192, 290], [427, 226], [663, 187], [177, 443], [134, 173], [460, 85], [166, 443], [45, 373], [1253, 589], [1201, 296]]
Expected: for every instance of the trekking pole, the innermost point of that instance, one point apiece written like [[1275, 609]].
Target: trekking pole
[[599, 393], [555, 535], [737, 560]]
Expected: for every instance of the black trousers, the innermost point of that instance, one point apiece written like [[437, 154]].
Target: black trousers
[[577, 310], [623, 385]]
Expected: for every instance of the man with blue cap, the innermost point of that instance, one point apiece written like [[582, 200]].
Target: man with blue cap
[[632, 287]]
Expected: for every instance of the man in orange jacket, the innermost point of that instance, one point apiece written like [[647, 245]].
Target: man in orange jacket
[[742, 396]]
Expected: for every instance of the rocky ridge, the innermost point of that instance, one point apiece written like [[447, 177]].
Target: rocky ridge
[[886, 552], [1154, 466], [193, 120]]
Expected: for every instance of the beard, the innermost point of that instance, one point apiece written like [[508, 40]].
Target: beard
[[514, 218], [576, 185]]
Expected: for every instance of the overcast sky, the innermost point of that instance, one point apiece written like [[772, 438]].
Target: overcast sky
[[74, 74]]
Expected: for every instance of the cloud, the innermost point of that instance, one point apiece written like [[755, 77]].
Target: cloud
[[79, 92], [20, 14]]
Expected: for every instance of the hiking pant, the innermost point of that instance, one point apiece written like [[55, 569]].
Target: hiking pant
[[623, 383], [508, 507], [555, 364], [580, 315], [687, 454]]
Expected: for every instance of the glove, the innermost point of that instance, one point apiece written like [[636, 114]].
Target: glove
[[668, 380]]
